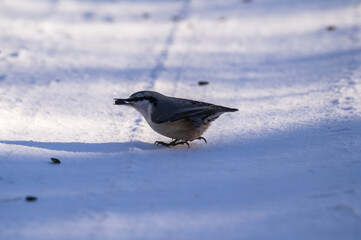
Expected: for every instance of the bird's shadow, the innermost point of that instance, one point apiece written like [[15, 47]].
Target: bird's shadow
[[109, 147]]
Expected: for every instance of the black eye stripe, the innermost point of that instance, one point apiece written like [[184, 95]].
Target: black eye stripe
[[150, 99]]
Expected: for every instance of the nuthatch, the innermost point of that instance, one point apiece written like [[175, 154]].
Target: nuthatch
[[180, 119]]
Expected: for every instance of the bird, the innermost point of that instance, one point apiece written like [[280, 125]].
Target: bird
[[182, 120]]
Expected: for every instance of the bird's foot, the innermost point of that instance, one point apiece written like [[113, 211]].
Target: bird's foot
[[162, 143], [201, 138], [172, 143]]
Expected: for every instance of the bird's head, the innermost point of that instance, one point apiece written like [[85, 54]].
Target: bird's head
[[140, 100]]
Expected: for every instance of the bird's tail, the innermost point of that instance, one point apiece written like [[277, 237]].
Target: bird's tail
[[226, 109]]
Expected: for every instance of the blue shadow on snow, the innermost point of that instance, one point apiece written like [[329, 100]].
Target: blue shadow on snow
[[111, 147]]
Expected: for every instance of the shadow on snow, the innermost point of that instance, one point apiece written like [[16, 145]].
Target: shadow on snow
[[111, 147]]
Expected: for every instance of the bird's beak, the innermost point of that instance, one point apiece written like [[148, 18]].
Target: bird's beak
[[120, 101]]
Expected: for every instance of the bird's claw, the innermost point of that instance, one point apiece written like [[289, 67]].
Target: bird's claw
[[202, 138]]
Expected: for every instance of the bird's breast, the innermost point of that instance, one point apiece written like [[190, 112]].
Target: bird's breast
[[183, 129]]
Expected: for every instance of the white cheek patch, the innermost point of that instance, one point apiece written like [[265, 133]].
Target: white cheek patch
[[142, 107], [141, 102], [149, 112]]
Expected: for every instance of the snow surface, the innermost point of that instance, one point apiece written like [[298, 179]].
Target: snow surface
[[286, 166]]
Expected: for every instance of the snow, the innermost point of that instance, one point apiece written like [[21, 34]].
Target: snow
[[286, 166]]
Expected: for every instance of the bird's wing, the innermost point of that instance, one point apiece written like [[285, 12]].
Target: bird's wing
[[193, 110]]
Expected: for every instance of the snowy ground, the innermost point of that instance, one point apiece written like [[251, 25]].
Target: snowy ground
[[286, 166]]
